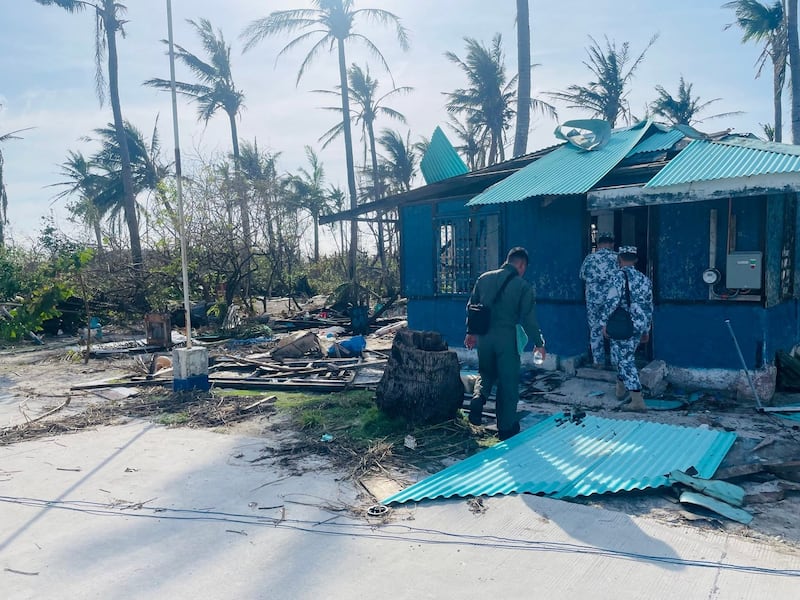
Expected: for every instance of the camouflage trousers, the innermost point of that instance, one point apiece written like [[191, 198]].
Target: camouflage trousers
[[596, 339], [623, 356]]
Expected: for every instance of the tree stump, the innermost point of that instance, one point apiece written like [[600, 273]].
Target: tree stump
[[422, 380]]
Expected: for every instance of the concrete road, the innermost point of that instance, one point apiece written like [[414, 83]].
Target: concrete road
[[140, 511]]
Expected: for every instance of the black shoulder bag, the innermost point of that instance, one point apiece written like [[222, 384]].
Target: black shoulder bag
[[479, 316], [620, 324]]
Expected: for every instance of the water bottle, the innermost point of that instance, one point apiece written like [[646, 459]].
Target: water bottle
[[538, 357]]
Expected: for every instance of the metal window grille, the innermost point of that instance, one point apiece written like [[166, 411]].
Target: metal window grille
[[453, 268]]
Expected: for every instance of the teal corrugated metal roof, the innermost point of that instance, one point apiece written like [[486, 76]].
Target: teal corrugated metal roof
[[704, 160], [564, 459], [441, 160], [566, 170], [660, 141]]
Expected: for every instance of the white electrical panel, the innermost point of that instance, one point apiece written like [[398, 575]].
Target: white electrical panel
[[744, 271]]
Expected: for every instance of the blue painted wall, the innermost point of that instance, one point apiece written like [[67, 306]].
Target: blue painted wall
[[689, 329], [695, 335], [416, 249]]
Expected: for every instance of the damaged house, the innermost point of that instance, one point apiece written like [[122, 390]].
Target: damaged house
[[714, 217]]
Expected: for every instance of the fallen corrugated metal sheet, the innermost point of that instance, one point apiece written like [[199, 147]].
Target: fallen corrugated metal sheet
[[441, 161], [704, 160], [563, 459], [566, 170]]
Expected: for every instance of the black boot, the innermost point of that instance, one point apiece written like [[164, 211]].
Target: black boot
[[476, 411], [504, 434]]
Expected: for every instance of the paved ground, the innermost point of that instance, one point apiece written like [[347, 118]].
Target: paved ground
[[72, 527]]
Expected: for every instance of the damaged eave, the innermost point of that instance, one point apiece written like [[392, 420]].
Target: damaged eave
[[696, 191]]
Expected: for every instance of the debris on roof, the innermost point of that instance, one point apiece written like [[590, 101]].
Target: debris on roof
[[566, 170]]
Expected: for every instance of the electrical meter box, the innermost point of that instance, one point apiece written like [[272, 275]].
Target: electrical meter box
[[744, 271]]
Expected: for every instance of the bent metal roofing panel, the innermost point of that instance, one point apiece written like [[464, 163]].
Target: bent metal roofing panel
[[564, 458], [730, 158], [564, 171], [441, 161]]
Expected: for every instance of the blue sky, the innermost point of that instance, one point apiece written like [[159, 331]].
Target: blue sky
[[47, 75]]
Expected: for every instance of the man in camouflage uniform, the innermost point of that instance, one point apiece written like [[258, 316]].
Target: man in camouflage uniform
[[498, 355], [641, 312], [597, 271]]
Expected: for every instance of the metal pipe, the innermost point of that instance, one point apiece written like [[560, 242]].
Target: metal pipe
[[744, 366], [179, 187]]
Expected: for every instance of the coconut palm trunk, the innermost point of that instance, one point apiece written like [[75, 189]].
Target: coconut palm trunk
[[524, 81], [777, 98], [129, 204], [794, 66], [376, 193], [351, 174], [244, 209]]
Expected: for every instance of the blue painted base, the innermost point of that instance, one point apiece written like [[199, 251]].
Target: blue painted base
[[197, 382]]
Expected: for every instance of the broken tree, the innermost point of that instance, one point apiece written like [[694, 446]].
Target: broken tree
[[422, 380]]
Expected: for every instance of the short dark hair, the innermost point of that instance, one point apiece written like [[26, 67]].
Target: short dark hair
[[516, 254], [627, 257]]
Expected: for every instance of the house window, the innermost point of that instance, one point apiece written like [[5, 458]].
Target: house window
[[466, 247], [453, 269]]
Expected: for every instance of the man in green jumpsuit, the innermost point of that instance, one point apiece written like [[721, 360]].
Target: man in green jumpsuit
[[498, 355]]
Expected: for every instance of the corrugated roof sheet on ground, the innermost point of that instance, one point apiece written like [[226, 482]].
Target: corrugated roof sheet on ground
[[564, 459], [566, 170], [704, 160], [441, 160]]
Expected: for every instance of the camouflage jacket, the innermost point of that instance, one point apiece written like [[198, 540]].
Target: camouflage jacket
[[597, 271], [641, 307]]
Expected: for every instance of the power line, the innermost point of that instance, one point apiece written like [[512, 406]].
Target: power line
[[390, 532]]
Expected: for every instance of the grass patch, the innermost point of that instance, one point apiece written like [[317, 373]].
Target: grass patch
[[173, 419], [364, 436], [240, 393]]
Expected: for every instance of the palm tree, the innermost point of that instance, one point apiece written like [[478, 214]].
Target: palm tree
[[108, 23], [606, 95], [524, 74], [82, 180], [214, 91], [97, 181], [472, 147], [3, 196], [333, 23], [488, 102], [769, 132], [308, 187], [683, 109], [766, 24], [400, 160], [367, 106], [363, 89], [146, 168], [794, 65]]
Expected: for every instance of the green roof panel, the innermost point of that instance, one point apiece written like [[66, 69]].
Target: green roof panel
[[566, 457], [441, 161], [566, 170], [705, 160]]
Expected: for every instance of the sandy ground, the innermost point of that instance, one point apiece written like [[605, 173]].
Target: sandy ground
[[142, 511], [34, 380]]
